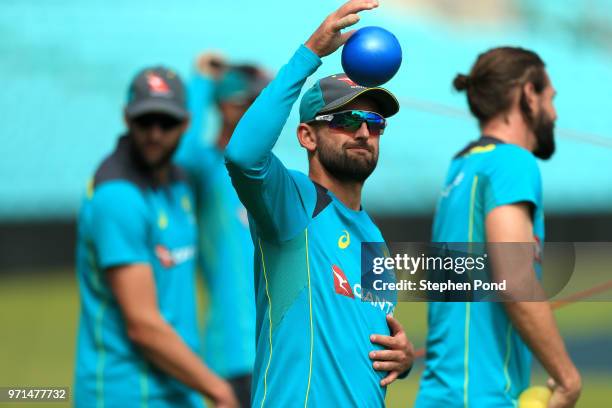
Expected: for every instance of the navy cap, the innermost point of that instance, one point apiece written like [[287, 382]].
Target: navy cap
[[157, 89], [335, 91]]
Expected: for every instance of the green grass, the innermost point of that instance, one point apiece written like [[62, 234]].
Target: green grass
[[38, 320]]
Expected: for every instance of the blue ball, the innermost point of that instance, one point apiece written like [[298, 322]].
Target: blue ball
[[372, 56]]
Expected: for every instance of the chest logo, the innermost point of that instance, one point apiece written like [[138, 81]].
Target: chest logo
[[186, 204], [345, 240], [162, 221], [341, 283]]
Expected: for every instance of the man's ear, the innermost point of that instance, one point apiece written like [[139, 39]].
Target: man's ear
[[529, 99], [307, 137]]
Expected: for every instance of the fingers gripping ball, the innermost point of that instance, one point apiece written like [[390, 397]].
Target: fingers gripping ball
[[535, 397], [372, 56]]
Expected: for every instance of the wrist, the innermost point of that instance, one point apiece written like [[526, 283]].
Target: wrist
[[571, 382]]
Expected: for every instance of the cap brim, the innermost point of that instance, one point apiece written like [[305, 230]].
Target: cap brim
[[156, 106], [386, 101]]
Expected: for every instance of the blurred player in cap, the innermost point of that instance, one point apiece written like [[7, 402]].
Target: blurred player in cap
[[479, 354], [138, 333], [318, 343], [225, 247]]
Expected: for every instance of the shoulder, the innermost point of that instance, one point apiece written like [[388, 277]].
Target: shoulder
[[511, 161], [512, 154], [117, 195]]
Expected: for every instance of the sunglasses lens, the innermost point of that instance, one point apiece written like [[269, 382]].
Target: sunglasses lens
[[346, 121], [165, 122], [352, 120]]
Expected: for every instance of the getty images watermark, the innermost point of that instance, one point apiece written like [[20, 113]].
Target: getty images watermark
[[494, 272]]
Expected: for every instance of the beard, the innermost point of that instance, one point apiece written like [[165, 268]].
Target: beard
[[344, 167], [544, 131], [152, 164]]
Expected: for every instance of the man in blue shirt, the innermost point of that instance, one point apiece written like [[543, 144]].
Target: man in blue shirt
[[224, 243], [318, 343], [138, 336], [479, 354]]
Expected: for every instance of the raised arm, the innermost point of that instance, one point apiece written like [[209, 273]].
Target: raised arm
[[281, 202], [200, 95]]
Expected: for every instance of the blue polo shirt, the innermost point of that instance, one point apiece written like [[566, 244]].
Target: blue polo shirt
[[313, 331], [475, 357], [126, 219], [224, 243]]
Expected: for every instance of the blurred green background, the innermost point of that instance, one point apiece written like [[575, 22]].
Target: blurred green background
[[39, 318]]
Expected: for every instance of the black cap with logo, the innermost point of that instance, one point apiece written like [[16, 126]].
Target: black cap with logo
[[336, 91], [157, 90]]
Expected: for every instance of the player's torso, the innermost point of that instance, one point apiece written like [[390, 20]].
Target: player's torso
[[226, 262], [474, 353], [173, 236], [108, 365], [320, 326]]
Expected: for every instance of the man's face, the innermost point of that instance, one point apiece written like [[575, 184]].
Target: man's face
[[543, 123], [349, 156], [155, 137]]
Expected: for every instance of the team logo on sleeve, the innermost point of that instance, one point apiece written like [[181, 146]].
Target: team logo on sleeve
[[341, 283], [538, 249]]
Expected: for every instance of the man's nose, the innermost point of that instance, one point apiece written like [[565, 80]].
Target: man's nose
[[156, 133], [363, 132]]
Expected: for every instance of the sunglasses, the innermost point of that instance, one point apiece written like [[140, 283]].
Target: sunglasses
[[165, 122], [351, 121]]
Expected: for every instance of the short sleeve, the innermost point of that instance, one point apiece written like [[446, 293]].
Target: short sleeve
[[119, 224], [513, 178]]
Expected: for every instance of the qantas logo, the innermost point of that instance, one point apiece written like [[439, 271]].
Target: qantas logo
[[348, 81], [344, 288], [341, 284], [157, 85], [170, 258]]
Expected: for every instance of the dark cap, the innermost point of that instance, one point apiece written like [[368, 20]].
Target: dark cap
[[157, 89], [335, 91]]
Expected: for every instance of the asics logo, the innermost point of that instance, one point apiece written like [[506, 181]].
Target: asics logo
[[345, 240]]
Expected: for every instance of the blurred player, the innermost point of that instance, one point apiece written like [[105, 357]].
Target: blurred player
[[479, 354], [136, 269], [313, 331], [225, 247]]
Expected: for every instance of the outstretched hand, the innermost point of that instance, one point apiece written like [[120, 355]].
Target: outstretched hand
[[328, 37]]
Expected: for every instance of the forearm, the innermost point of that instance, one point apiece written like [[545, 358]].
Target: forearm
[[261, 125], [536, 324], [163, 347]]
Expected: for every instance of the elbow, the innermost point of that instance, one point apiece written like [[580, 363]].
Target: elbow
[[141, 332], [244, 159], [234, 156]]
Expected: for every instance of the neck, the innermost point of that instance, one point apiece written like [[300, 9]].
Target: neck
[[225, 134], [510, 128], [161, 175], [348, 192]]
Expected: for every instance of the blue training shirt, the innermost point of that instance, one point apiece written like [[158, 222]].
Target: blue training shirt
[[312, 327], [126, 219], [225, 250], [475, 357]]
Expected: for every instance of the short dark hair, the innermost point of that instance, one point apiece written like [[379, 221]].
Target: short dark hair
[[493, 77]]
